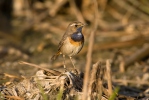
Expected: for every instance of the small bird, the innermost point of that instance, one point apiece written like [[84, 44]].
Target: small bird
[[71, 42]]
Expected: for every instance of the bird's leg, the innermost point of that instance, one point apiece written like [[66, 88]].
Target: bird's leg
[[64, 61], [72, 62]]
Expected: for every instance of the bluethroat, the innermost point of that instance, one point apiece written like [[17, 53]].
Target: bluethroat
[[71, 42]]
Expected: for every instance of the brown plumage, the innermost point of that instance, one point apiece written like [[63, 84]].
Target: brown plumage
[[71, 42]]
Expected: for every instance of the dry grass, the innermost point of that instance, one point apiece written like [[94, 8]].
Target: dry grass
[[47, 84]]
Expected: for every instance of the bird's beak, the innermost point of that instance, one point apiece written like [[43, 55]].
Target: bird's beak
[[84, 24]]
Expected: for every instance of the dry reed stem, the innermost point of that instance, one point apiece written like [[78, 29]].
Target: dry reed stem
[[117, 44], [131, 9], [89, 54], [109, 79], [131, 82], [76, 11], [58, 4], [86, 3], [136, 56], [28, 10], [100, 90], [13, 98], [11, 76], [92, 79], [122, 67], [54, 72]]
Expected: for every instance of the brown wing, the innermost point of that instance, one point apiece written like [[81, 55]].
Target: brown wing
[[62, 41], [66, 34], [59, 46]]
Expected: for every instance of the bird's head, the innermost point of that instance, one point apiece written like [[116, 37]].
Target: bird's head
[[76, 26]]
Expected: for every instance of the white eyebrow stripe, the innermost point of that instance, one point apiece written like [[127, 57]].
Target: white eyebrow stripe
[[72, 24]]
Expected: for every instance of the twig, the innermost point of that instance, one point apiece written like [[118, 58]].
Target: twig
[[54, 72], [89, 54], [11, 76], [114, 13], [142, 8], [122, 67], [130, 81], [76, 11], [138, 55], [100, 89], [57, 6], [120, 44], [109, 79], [130, 8], [14, 97], [92, 79]]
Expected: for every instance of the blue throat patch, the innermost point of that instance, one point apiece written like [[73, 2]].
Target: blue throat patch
[[77, 36]]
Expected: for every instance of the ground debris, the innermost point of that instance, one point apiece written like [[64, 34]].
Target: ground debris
[[68, 85], [42, 84], [47, 86]]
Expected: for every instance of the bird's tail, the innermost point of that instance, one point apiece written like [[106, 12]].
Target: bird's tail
[[56, 55]]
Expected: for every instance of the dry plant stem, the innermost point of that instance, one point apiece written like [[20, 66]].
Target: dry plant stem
[[100, 89], [115, 13], [135, 4], [54, 72], [130, 8], [76, 11], [10, 38], [11, 76], [103, 4], [28, 10], [116, 44], [92, 79], [109, 79], [131, 81], [57, 6], [89, 53], [59, 96], [86, 3], [138, 55], [13, 98], [122, 67]]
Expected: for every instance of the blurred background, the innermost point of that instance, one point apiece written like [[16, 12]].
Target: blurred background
[[30, 31]]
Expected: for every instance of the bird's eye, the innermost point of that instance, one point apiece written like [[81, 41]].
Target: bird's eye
[[76, 25]]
